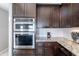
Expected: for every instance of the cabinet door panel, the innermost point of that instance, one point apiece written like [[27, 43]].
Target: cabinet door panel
[[51, 48], [24, 52], [75, 14], [43, 16], [39, 51], [24, 9], [18, 9], [30, 9], [66, 15], [55, 16], [49, 52]]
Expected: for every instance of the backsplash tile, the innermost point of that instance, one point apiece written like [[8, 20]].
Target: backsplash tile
[[56, 32]]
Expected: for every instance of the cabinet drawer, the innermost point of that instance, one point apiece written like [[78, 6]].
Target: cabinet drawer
[[39, 44], [49, 44], [24, 52]]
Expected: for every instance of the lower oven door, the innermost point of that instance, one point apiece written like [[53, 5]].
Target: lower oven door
[[24, 40]]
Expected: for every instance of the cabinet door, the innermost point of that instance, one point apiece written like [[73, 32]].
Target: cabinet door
[[30, 9], [64, 51], [55, 16], [43, 16], [24, 52], [51, 48], [75, 13], [48, 52], [66, 15], [39, 49], [18, 9], [48, 49]]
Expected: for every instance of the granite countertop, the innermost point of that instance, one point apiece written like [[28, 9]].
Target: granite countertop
[[68, 44]]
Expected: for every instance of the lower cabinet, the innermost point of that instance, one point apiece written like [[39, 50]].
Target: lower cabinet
[[40, 49], [47, 48], [51, 48], [65, 52], [22, 52], [43, 49]]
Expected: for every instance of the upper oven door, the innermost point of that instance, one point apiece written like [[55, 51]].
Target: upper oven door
[[24, 24], [23, 40]]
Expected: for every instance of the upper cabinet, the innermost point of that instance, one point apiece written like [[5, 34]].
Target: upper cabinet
[[47, 16], [43, 16], [66, 15], [30, 9], [24, 10], [75, 15], [18, 9], [55, 16]]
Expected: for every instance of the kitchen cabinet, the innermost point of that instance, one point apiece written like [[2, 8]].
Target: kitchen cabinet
[[47, 16], [18, 9], [66, 15], [43, 16], [30, 10], [64, 51], [40, 49], [69, 15], [75, 15], [47, 48], [23, 52], [55, 16], [24, 10], [44, 49], [51, 48]]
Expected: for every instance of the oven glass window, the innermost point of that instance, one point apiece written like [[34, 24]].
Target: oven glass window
[[24, 39]]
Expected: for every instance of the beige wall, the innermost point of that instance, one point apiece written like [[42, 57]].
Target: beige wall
[[3, 29]]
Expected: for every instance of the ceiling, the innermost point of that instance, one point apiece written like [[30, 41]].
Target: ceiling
[[5, 6]]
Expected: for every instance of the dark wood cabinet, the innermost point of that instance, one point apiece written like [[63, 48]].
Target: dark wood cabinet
[[24, 10], [51, 48], [66, 15], [47, 16], [40, 49], [18, 9], [64, 51], [55, 16], [47, 48], [30, 10], [43, 16], [44, 49], [75, 15], [23, 52]]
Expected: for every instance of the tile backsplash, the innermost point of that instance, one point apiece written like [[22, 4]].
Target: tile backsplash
[[56, 32]]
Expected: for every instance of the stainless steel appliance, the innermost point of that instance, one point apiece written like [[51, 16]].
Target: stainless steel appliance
[[24, 24], [75, 36], [24, 40], [24, 33]]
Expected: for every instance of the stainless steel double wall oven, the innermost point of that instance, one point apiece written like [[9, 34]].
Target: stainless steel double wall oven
[[24, 33]]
